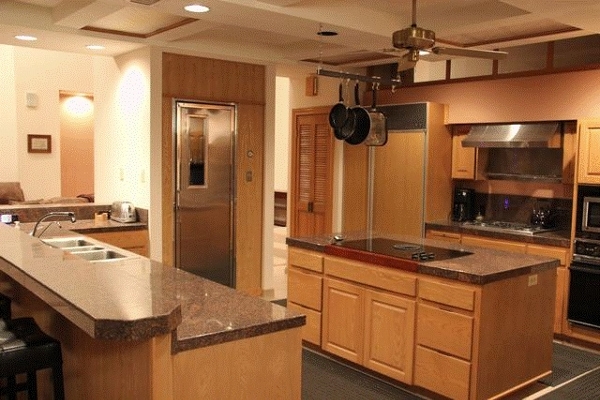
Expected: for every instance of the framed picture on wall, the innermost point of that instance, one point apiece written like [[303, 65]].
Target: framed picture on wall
[[39, 143]]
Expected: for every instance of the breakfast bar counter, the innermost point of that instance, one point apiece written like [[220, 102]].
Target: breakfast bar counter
[[134, 328]]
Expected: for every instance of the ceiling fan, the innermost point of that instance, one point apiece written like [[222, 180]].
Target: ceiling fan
[[415, 39]]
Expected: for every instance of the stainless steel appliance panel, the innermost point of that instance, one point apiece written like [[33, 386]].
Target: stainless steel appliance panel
[[204, 231]]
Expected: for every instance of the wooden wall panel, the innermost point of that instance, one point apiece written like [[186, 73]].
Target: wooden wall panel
[[203, 79], [249, 186]]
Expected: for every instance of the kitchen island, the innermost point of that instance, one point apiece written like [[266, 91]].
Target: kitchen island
[[460, 321], [134, 328]]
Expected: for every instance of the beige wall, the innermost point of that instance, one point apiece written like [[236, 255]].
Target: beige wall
[[8, 115], [549, 97]]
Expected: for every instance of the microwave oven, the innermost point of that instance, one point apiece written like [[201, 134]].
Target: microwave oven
[[590, 217]]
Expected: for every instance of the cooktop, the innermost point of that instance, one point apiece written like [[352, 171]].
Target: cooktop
[[399, 249]]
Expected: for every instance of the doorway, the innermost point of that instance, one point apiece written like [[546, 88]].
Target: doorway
[[76, 144]]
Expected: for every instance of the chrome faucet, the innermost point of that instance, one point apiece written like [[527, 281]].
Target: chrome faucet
[[66, 214]]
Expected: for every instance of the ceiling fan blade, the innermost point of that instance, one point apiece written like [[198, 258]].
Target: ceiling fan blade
[[475, 53]]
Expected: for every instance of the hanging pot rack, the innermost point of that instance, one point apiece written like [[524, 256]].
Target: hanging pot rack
[[361, 78]]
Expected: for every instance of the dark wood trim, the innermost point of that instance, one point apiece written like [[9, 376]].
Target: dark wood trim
[[140, 35]]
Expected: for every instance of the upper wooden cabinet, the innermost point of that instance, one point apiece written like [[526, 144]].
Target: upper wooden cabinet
[[463, 159], [589, 152], [467, 162]]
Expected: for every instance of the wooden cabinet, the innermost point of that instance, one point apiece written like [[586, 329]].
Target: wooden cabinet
[[463, 159], [343, 319], [445, 337], [560, 253], [305, 286], [365, 324], [389, 335], [588, 169], [561, 286], [445, 236], [135, 241], [467, 162], [498, 244]]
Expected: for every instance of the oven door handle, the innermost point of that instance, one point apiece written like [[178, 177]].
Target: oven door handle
[[583, 268]]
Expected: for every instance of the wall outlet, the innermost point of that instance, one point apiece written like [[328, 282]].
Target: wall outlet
[[532, 280]]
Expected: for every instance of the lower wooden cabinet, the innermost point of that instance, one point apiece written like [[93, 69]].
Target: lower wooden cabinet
[[343, 319], [389, 335], [560, 253], [369, 327], [305, 287], [443, 374], [135, 241]]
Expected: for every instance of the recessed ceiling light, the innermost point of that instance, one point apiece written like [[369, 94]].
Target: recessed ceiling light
[[94, 47], [26, 38], [196, 8]]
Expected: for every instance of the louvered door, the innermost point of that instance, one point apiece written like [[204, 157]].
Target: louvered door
[[312, 166]]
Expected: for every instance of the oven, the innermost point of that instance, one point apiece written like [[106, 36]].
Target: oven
[[584, 285]]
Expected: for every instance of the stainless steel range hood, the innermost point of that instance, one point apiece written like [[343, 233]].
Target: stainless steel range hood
[[543, 134]]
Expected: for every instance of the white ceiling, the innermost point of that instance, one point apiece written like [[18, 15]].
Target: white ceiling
[[283, 31]]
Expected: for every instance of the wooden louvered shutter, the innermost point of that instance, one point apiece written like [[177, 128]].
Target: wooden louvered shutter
[[312, 168]]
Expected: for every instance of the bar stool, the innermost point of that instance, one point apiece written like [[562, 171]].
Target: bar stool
[[25, 350]]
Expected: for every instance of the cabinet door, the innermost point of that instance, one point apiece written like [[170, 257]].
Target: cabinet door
[[343, 319], [463, 159], [135, 241], [389, 335], [589, 152]]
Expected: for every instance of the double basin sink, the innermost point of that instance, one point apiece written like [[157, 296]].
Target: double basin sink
[[86, 249]]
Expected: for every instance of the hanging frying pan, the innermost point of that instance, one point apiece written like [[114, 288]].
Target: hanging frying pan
[[362, 123], [341, 117]]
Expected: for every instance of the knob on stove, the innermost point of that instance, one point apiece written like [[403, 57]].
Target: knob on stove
[[422, 256]]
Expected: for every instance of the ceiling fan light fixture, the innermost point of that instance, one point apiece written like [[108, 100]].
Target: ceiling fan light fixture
[[413, 37]]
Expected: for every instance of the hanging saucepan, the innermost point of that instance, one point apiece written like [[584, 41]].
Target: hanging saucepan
[[341, 118], [362, 123], [378, 129]]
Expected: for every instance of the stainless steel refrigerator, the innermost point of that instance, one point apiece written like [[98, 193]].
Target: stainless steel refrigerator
[[205, 191]]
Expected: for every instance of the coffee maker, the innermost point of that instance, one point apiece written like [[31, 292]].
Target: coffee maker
[[463, 208]]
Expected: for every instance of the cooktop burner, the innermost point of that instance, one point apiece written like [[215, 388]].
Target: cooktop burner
[[406, 250], [509, 227]]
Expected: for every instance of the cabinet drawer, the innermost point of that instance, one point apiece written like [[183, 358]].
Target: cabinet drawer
[[442, 374], [311, 332], [371, 275], [305, 288], [445, 236], [548, 251], [505, 245], [451, 295], [447, 331], [305, 259]]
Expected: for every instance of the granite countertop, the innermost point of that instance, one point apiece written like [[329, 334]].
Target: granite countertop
[[558, 238], [481, 267], [137, 298]]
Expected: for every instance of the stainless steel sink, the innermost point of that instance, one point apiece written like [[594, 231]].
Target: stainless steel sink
[[63, 243], [99, 255], [86, 249]]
